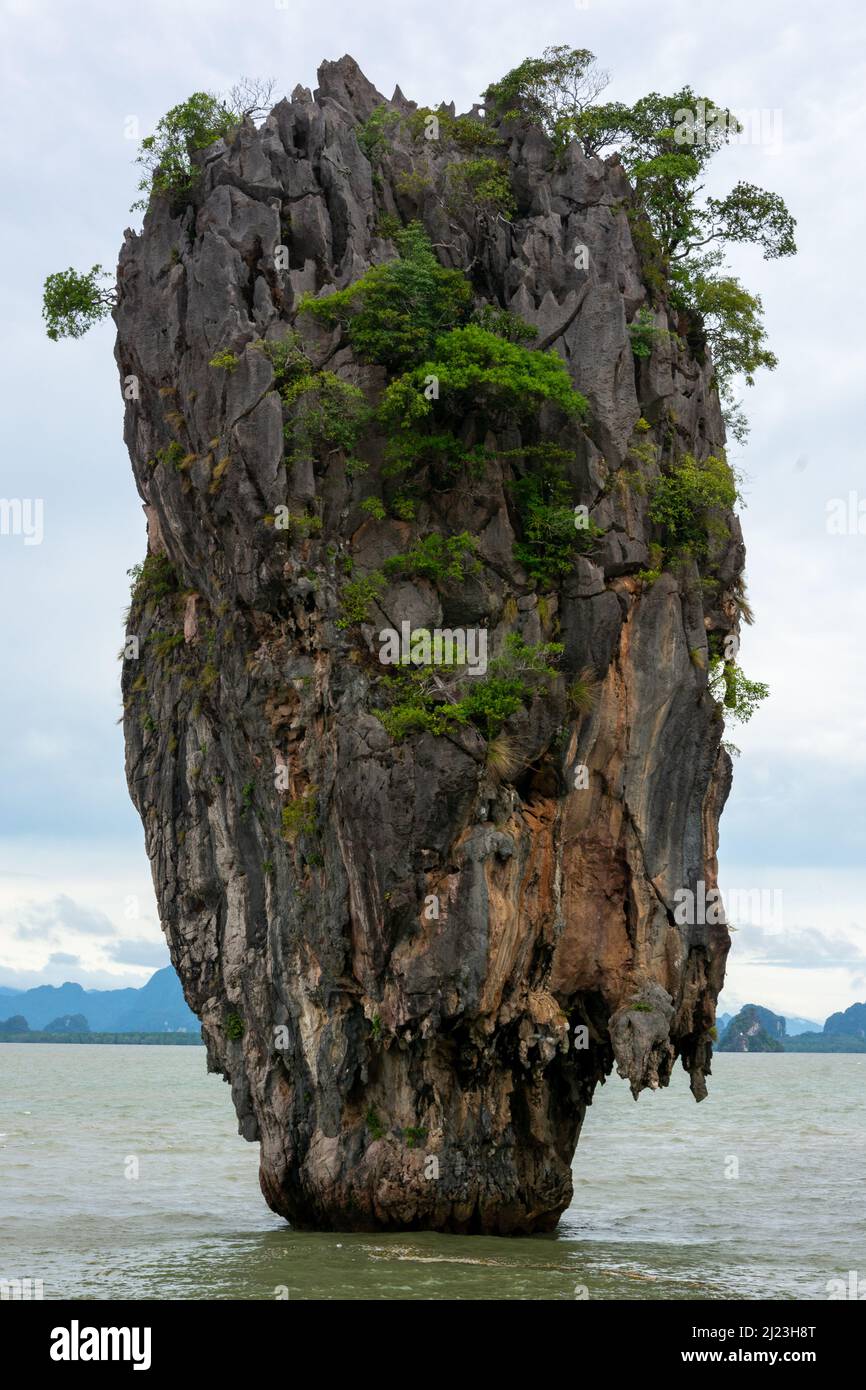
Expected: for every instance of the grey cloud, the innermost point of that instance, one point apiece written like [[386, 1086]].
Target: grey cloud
[[799, 948], [139, 953], [62, 917]]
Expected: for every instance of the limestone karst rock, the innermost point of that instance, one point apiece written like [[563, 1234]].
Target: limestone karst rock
[[393, 945]]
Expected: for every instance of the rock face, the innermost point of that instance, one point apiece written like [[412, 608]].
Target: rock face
[[412, 969], [754, 1029], [850, 1023]]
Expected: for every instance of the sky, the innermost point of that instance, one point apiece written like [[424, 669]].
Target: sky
[[76, 900]]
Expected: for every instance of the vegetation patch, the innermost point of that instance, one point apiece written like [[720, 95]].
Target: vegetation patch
[[300, 817], [437, 700], [688, 503]]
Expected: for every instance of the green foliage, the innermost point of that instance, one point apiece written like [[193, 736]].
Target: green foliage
[[388, 226], [739, 695], [225, 361], [375, 1027], [552, 91], [412, 311], [414, 184], [286, 357], [415, 448], [665, 150], [164, 643], [373, 134], [172, 455], [413, 1136], [665, 144], [437, 647], [72, 302], [582, 692], [375, 507], [479, 371], [166, 156], [686, 504], [437, 557], [463, 131], [358, 596], [644, 332], [300, 817], [648, 576], [394, 313], [154, 579], [484, 182], [731, 319], [404, 507], [413, 712], [234, 1027], [373, 1124], [297, 524], [551, 538], [504, 324], [473, 371], [422, 701], [326, 414]]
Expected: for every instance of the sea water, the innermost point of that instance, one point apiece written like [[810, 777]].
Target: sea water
[[122, 1176]]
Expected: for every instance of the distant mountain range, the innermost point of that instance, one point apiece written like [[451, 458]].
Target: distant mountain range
[[756, 1029], [157, 1007]]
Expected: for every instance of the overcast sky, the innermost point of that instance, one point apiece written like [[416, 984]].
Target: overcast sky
[[75, 894]]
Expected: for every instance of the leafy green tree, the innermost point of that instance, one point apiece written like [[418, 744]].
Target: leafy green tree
[[478, 370], [551, 90], [665, 143], [167, 156], [395, 311], [485, 183], [731, 322], [686, 504], [739, 695], [73, 301], [551, 535], [437, 557]]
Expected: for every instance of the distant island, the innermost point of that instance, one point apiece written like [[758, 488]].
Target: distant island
[[756, 1029], [155, 1013], [129, 1039]]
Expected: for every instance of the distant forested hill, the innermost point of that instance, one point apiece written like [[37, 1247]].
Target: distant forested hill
[[158, 1007]]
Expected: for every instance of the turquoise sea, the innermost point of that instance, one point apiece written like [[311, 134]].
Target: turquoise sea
[[755, 1193]]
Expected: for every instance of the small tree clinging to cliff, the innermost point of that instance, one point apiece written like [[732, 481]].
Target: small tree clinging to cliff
[[73, 301], [665, 143], [552, 90], [167, 156]]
